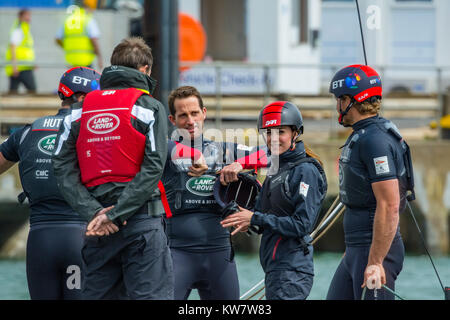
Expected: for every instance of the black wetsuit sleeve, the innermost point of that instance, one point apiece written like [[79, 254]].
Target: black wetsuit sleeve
[[307, 190], [10, 148]]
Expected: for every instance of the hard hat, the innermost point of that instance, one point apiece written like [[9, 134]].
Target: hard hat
[[78, 79], [280, 113], [358, 81]]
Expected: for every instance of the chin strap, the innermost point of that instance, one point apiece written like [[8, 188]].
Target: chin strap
[[342, 114]]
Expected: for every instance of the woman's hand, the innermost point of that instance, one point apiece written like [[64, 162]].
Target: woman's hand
[[239, 220]]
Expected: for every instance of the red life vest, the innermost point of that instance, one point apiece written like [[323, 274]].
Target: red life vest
[[109, 148]]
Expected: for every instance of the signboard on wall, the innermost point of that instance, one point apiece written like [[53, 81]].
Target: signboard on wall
[[233, 80]]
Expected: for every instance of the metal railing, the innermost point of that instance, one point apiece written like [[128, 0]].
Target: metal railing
[[431, 77], [434, 79], [414, 70]]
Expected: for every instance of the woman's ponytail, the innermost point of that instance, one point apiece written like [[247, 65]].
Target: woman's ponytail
[[312, 154]]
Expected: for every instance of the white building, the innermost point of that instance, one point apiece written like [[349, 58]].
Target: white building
[[299, 42], [407, 40], [279, 33]]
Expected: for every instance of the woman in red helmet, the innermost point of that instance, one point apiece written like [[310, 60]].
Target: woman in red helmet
[[287, 206]]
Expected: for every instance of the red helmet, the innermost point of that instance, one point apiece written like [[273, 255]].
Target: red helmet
[[358, 81], [280, 113], [78, 79]]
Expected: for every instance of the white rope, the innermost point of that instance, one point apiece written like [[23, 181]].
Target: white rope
[[328, 219], [253, 288]]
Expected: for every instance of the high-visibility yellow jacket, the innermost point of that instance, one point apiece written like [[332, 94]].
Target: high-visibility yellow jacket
[[78, 48], [24, 51]]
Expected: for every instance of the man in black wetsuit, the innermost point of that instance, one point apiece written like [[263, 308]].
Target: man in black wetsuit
[[201, 249], [375, 173], [53, 262]]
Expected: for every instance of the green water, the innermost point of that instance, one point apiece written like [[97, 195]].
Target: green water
[[417, 281]]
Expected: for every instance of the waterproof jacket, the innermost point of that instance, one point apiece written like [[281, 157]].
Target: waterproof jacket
[[127, 197], [286, 210]]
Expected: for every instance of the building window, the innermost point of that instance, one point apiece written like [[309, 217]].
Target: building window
[[227, 39], [300, 20], [304, 21]]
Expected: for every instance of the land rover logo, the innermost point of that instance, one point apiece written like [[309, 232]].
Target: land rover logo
[[103, 123], [201, 186], [47, 144]]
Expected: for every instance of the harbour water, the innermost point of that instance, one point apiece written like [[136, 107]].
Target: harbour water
[[416, 282]]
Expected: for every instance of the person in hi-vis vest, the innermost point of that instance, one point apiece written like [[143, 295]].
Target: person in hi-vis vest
[[79, 37], [20, 54]]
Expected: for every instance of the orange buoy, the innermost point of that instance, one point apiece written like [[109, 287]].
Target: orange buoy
[[191, 40]]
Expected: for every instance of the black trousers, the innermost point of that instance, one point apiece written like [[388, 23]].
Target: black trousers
[[213, 274], [54, 264], [134, 263], [26, 77], [349, 276]]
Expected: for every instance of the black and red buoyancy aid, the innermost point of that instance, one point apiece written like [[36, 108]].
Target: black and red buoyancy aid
[[109, 148]]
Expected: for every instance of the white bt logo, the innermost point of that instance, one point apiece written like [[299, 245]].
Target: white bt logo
[[79, 80]]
